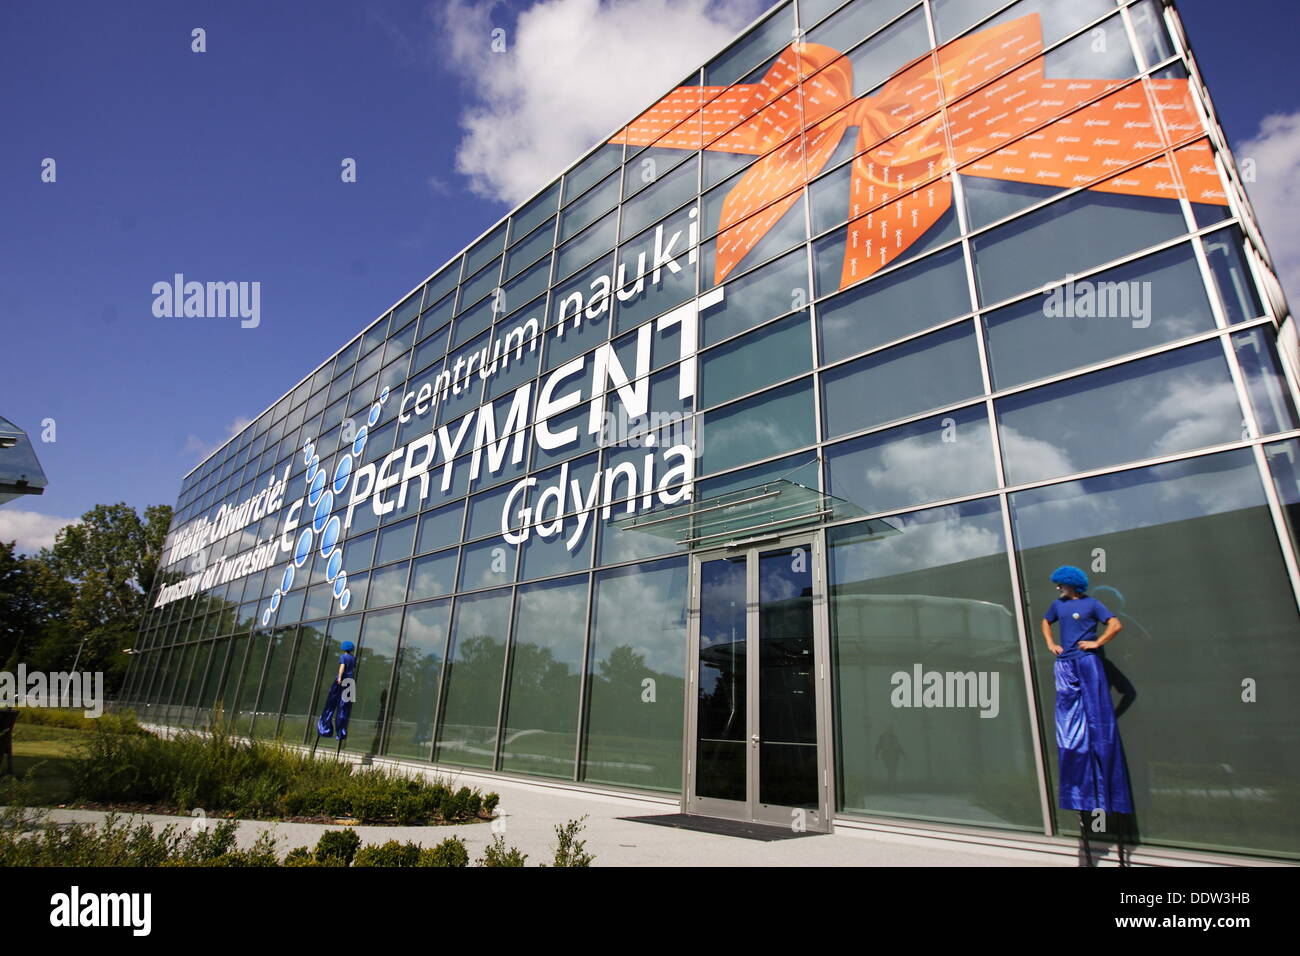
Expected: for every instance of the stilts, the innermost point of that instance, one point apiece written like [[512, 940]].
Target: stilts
[[1085, 846]]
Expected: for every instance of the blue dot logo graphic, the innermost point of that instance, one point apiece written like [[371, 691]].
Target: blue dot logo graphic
[[286, 582], [330, 537], [275, 600], [342, 472], [308, 450], [322, 512], [359, 442], [302, 550], [334, 565], [383, 396], [316, 487], [344, 600], [266, 616], [340, 583], [373, 417], [312, 467]]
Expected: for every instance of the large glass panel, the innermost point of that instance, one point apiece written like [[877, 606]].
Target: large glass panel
[[637, 673], [672, 190], [433, 575], [562, 532], [1069, 236], [300, 704], [375, 655], [776, 421], [415, 694], [853, 22], [584, 211], [473, 689], [1137, 306], [769, 37], [931, 713], [1159, 406], [579, 179], [939, 369], [722, 744], [942, 457], [888, 52], [655, 271], [1185, 555], [893, 305], [780, 350], [541, 722], [252, 679], [1284, 467], [534, 212], [1265, 381], [280, 648], [1227, 258]]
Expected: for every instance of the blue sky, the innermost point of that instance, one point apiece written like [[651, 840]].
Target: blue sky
[[225, 166]]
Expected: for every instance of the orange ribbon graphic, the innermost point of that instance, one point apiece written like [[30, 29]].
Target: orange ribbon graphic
[[980, 105]]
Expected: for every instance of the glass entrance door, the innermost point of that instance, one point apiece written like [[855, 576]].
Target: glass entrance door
[[756, 708]]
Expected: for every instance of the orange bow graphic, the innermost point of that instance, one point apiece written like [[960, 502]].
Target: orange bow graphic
[[979, 105]]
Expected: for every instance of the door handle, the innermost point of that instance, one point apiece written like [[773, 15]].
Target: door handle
[[754, 738]]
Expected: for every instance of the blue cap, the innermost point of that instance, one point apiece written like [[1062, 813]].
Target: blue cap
[[1070, 576], [348, 646]]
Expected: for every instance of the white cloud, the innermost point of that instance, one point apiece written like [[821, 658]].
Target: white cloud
[[201, 449], [571, 73], [30, 530], [1274, 155]]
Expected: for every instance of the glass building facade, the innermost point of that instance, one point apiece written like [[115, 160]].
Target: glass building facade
[[689, 473]]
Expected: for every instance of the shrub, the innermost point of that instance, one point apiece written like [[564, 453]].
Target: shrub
[[255, 778], [391, 853], [300, 856], [569, 849], [450, 852], [497, 853], [337, 844]]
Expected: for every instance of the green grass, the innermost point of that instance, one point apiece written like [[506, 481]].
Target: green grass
[[44, 756]]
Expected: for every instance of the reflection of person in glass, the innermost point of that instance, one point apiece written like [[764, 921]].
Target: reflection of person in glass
[[1092, 774]]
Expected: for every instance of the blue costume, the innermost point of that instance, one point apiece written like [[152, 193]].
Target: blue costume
[[334, 718], [1092, 775]]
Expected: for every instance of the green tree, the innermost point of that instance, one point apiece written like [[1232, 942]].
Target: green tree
[[82, 600]]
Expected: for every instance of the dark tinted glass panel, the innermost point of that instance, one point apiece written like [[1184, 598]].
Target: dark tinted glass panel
[[1184, 554]]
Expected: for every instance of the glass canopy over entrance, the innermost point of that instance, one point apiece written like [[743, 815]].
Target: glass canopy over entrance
[[729, 519]]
